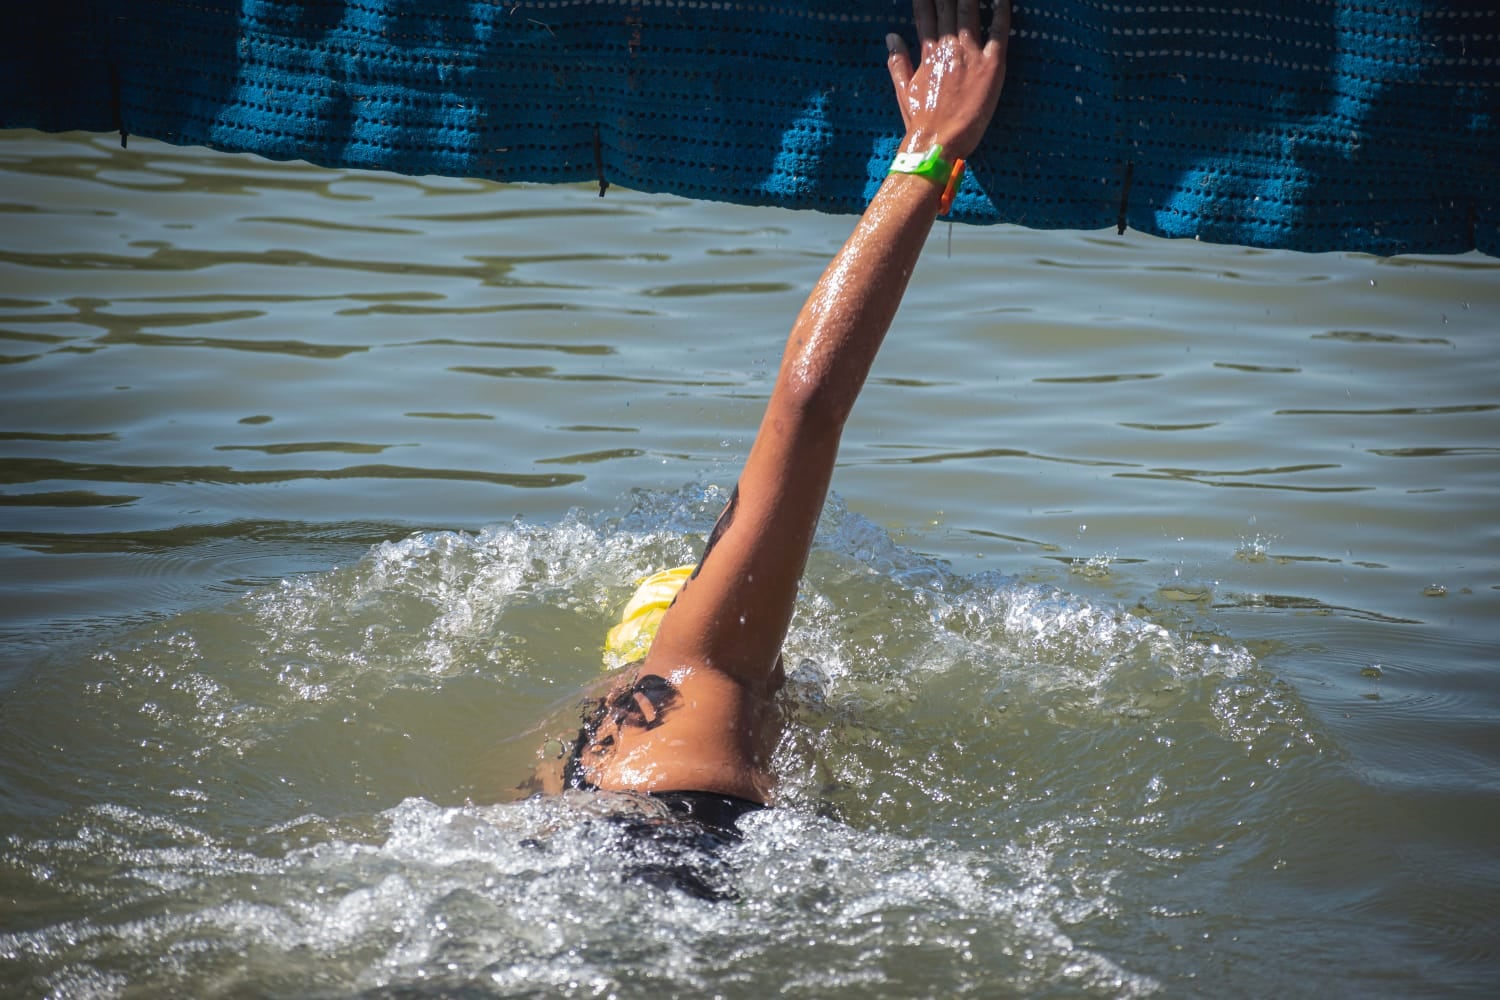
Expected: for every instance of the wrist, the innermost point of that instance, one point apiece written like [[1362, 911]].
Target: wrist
[[933, 167], [932, 163], [914, 189]]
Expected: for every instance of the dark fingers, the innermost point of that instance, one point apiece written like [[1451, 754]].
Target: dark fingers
[[968, 17], [1000, 23], [947, 22], [925, 14]]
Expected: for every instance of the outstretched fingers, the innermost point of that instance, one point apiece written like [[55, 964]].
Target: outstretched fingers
[[924, 12], [999, 27], [968, 17], [899, 62], [900, 65], [947, 23]]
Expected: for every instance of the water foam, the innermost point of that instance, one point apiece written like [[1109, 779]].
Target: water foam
[[977, 775]]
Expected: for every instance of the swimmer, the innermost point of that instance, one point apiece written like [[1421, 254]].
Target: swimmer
[[693, 723]]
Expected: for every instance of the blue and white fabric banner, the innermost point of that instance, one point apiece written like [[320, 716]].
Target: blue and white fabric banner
[[1305, 124]]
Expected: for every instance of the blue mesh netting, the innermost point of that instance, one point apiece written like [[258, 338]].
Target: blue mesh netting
[[1305, 124]]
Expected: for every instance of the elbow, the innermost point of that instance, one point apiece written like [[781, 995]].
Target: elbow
[[814, 404]]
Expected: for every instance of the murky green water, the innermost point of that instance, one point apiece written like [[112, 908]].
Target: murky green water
[[1148, 647]]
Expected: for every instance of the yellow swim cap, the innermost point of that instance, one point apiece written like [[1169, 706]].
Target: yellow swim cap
[[631, 639]]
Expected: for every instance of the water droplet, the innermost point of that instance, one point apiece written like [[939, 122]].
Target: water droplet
[[1435, 590], [1372, 671]]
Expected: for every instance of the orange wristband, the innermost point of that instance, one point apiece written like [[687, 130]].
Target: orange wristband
[[951, 190]]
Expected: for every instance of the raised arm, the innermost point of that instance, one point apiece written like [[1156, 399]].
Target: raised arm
[[697, 715], [733, 615]]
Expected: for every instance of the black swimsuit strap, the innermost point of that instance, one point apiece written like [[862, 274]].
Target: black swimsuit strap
[[714, 811]]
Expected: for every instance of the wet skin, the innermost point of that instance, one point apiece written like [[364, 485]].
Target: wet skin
[[699, 713]]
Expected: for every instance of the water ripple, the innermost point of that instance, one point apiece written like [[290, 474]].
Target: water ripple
[[327, 225], [549, 373], [1370, 337], [1433, 452], [31, 470], [984, 453], [1097, 379], [1169, 427], [1395, 411]]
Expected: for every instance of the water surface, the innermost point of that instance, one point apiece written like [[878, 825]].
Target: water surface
[[1147, 647]]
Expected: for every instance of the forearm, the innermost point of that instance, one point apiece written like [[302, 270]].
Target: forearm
[[828, 356], [946, 104], [837, 334], [732, 616]]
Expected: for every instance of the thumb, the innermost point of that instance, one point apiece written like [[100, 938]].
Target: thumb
[[899, 63]]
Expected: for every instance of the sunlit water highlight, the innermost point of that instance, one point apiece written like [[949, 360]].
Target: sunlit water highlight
[[1147, 649]]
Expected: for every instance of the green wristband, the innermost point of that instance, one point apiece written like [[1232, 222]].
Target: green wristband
[[930, 165]]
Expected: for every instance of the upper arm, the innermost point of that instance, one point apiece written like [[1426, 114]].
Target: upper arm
[[733, 614]]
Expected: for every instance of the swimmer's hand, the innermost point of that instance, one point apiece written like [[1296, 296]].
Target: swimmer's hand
[[950, 96]]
